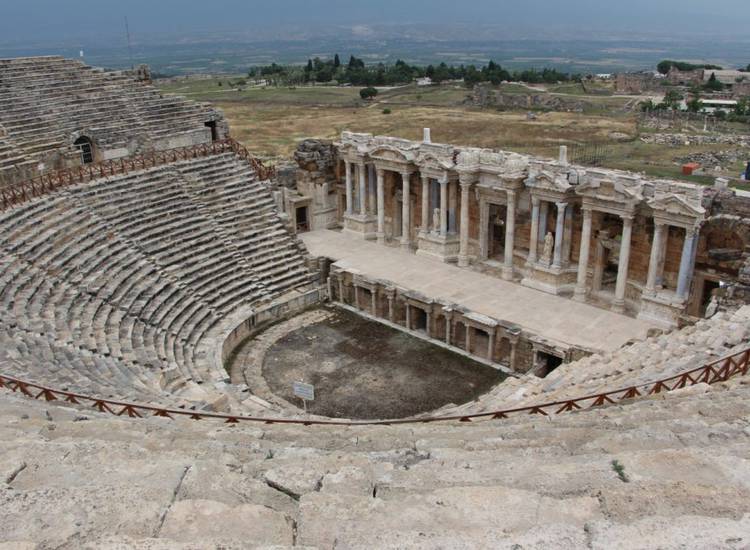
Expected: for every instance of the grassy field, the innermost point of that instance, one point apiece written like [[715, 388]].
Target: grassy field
[[270, 121]]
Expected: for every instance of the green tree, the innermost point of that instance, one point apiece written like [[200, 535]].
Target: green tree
[[648, 106], [336, 61], [743, 107], [672, 99], [695, 105], [714, 84], [368, 93]]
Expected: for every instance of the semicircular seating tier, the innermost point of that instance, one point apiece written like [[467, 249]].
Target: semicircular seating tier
[[125, 287], [47, 103]]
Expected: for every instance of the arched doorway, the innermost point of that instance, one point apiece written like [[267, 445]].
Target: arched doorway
[[86, 148]]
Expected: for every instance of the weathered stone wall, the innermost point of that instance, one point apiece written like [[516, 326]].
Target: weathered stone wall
[[485, 95], [316, 177]]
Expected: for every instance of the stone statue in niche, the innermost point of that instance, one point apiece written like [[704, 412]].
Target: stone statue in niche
[[436, 220], [549, 246]]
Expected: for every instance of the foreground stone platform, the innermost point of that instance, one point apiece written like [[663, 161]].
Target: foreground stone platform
[[73, 479], [552, 317]]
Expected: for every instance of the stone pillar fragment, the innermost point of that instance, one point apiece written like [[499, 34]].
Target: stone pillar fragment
[[349, 190], [534, 237], [583, 258], [362, 189], [656, 255], [381, 206], [622, 268], [687, 263], [443, 208], [463, 253], [406, 213], [510, 236], [425, 205], [559, 234]]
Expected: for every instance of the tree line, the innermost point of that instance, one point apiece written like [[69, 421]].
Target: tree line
[[357, 73]]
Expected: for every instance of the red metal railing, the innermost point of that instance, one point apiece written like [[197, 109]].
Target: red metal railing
[[712, 373], [25, 191]]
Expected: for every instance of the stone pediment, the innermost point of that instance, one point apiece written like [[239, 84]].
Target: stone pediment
[[549, 181], [675, 205], [391, 154], [610, 190], [434, 162]]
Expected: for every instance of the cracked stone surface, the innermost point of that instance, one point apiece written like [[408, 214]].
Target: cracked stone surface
[[526, 482]]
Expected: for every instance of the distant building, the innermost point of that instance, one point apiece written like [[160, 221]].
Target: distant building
[[425, 81], [711, 106], [726, 77], [685, 78], [635, 83]]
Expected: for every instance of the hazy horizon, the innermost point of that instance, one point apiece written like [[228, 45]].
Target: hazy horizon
[[40, 21]]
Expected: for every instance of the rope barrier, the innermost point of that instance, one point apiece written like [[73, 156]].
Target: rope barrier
[[718, 371]]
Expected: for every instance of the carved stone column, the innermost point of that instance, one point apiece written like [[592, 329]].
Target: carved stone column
[[463, 254], [534, 237], [381, 206], [425, 205], [362, 189], [559, 234], [583, 258], [491, 345], [484, 229], [342, 296], [390, 295], [510, 236], [349, 190], [622, 269], [443, 208], [406, 213], [687, 264], [448, 325], [656, 255]]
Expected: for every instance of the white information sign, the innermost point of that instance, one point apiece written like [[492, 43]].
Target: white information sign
[[304, 391]]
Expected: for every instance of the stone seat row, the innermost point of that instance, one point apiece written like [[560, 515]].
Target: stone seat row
[[41, 108], [134, 269], [641, 363]]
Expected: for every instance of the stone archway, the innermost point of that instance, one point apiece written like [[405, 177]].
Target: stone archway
[[85, 146]]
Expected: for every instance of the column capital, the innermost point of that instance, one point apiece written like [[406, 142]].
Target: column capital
[[511, 194], [467, 177], [692, 231], [466, 186], [588, 212], [535, 201], [627, 219], [660, 223], [361, 163], [380, 172], [425, 178], [562, 205]]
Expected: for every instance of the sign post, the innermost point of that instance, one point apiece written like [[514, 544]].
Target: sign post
[[306, 392]]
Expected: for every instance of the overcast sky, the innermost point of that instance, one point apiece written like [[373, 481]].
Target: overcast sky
[[38, 20]]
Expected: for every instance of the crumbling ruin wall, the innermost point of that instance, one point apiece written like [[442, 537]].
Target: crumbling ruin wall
[[488, 96], [724, 248], [316, 179]]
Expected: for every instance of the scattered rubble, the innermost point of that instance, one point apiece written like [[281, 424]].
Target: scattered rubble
[[681, 140]]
